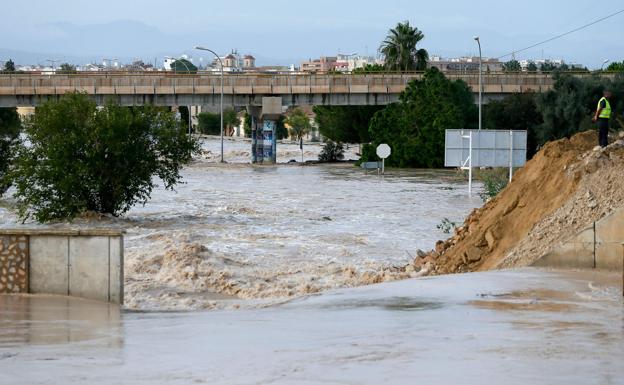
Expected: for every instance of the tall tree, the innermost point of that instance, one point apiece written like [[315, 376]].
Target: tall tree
[[230, 120], [567, 108], [345, 124], [515, 112], [400, 49], [183, 66], [532, 67], [67, 68], [414, 128], [9, 66], [83, 158], [299, 123], [512, 66], [616, 67]]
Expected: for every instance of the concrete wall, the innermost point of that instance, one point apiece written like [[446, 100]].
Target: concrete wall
[[80, 263], [598, 246]]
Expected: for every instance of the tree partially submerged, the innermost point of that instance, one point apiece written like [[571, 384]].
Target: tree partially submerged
[[331, 152], [81, 158]]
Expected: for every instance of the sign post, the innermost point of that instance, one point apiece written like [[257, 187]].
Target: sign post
[[383, 151], [485, 148]]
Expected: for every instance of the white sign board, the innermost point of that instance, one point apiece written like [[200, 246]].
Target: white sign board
[[490, 148], [383, 151]]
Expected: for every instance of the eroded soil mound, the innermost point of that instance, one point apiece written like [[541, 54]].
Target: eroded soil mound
[[564, 188]]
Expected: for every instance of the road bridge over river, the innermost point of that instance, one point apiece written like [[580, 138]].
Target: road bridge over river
[[247, 89]]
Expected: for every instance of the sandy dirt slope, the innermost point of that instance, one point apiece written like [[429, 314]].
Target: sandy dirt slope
[[569, 184]]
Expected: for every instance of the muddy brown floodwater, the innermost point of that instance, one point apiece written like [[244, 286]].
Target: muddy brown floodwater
[[236, 235], [504, 327]]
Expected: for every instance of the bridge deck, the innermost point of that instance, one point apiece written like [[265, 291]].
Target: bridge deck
[[244, 89]]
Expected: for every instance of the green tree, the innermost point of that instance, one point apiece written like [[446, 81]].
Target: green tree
[[183, 66], [345, 124], [515, 112], [230, 120], [567, 108], [184, 117], [547, 67], [247, 124], [67, 68], [616, 67], [414, 128], [532, 67], [299, 123], [281, 130], [400, 49], [9, 66], [331, 152], [512, 66], [369, 68], [82, 158], [10, 127], [209, 123]]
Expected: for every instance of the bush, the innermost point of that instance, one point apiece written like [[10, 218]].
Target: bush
[[10, 126], [208, 123], [494, 181], [82, 158], [331, 152]]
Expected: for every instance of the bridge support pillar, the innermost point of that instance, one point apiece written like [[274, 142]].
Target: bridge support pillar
[[264, 130]]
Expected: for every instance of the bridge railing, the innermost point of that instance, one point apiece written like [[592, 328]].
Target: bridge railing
[[250, 83]]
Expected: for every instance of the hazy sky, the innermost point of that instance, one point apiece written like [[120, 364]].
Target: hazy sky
[[289, 31]]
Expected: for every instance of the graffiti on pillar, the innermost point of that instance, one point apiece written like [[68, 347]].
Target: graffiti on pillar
[[268, 134]]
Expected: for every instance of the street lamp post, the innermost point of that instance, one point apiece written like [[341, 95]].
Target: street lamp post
[[221, 63], [604, 62], [480, 80]]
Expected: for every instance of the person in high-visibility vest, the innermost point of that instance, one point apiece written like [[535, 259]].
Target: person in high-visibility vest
[[602, 116]]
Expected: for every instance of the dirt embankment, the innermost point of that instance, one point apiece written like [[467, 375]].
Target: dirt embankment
[[564, 188]]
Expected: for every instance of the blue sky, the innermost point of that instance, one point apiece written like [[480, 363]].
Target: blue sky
[[279, 31]]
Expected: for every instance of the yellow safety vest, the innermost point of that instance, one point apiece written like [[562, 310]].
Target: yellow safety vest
[[606, 111]]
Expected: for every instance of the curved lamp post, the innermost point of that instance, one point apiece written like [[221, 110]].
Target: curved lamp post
[[480, 78], [605, 61], [221, 63]]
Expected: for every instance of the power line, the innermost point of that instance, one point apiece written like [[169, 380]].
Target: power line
[[564, 34]]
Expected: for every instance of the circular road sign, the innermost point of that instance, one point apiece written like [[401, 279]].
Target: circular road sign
[[383, 151]]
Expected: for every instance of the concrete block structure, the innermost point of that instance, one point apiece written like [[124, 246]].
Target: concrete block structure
[[598, 246], [80, 263]]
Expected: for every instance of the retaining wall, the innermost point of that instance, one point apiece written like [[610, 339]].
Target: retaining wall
[[598, 246], [80, 263]]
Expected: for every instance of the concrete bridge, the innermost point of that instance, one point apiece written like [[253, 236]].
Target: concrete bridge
[[244, 90]]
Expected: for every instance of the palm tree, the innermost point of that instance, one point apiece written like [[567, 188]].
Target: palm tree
[[400, 49]]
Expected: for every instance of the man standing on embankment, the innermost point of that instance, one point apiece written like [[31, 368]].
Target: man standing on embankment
[[602, 116]]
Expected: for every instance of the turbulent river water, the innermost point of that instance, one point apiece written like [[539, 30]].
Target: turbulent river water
[[237, 235]]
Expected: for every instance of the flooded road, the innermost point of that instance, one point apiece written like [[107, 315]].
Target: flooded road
[[236, 235], [505, 327]]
